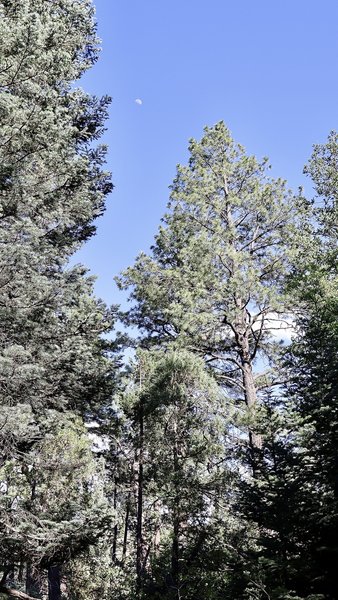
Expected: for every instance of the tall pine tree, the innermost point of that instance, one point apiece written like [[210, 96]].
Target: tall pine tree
[[54, 363], [313, 386], [214, 282]]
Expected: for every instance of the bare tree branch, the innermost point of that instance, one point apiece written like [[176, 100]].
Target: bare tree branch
[[14, 593]]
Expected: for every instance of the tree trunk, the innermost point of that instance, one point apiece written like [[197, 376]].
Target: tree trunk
[[139, 524], [251, 401], [175, 549], [241, 331], [126, 528], [21, 571], [114, 549], [54, 583], [250, 396], [157, 536], [14, 593], [33, 582]]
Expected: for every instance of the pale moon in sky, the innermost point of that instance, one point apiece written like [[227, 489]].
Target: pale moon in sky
[[138, 101]]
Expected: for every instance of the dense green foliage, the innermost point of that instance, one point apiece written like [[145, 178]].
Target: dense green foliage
[[211, 471], [55, 367], [237, 258]]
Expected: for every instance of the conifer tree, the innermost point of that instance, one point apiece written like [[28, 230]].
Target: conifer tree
[[178, 489], [216, 284], [296, 500], [313, 387], [54, 364], [214, 281]]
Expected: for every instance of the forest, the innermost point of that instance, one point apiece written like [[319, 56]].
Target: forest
[[186, 448]]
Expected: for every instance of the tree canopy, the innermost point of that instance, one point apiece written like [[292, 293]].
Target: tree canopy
[[201, 465]]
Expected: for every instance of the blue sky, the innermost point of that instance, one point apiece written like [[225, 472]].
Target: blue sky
[[267, 68]]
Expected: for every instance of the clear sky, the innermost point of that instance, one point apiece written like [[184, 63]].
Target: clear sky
[[268, 68]]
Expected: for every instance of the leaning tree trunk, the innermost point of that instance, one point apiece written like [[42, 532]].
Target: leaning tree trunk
[[12, 593]]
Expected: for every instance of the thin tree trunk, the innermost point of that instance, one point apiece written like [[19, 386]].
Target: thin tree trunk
[[139, 523], [33, 577], [33, 582], [54, 583], [21, 571], [115, 527], [126, 528], [157, 536], [175, 549]]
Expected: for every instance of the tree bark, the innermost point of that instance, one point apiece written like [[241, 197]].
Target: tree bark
[[21, 571], [251, 400], [14, 593], [157, 536], [126, 528], [114, 549], [250, 392], [33, 583], [175, 548], [139, 524], [54, 583]]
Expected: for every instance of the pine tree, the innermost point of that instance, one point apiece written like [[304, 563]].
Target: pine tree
[[295, 502], [214, 282], [177, 490], [54, 364], [313, 386]]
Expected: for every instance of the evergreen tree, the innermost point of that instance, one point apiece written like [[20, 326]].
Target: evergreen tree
[[214, 282], [313, 387], [216, 285], [179, 482], [297, 495], [54, 363]]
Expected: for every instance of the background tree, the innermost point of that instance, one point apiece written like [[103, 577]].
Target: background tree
[[313, 385], [179, 479], [297, 493]]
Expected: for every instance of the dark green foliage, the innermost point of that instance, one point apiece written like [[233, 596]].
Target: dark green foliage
[[55, 366], [175, 499], [313, 363], [237, 253], [215, 471], [296, 495]]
